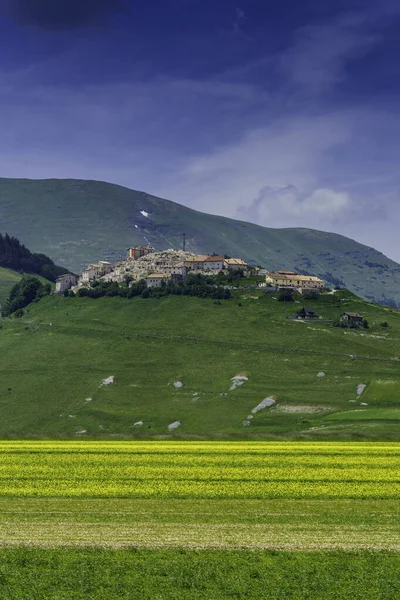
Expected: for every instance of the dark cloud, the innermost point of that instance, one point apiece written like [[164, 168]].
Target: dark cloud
[[63, 14]]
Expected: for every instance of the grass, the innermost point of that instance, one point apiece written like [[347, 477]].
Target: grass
[[69, 220], [55, 358], [98, 574]]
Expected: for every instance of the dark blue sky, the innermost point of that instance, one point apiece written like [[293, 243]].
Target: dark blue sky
[[283, 113]]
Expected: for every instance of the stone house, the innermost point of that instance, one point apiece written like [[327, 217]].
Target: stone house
[[294, 280], [95, 271], [235, 264], [214, 263], [352, 319], [156, 279], [64, 283]]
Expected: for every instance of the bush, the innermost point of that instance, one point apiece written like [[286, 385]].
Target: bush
[[286, 296], [29, 289], [384, 324], [365, 324]]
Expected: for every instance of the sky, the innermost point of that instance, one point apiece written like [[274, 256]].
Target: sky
[[282, 113]]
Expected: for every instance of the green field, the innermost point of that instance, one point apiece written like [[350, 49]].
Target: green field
[[140, 574], [199, 520], [54, 359]]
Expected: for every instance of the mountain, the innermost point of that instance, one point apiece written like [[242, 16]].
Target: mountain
[[107, 367], [77, 222]]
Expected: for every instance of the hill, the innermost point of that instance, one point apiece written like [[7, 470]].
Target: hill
[[8, 278], [77, 222], [87, 368]]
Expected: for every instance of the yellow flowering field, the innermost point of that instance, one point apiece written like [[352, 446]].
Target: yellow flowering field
[[252, 470]]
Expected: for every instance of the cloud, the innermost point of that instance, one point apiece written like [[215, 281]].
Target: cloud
[[289, 157], [318, 57], [62, 14], [289, 203], [239, 18]]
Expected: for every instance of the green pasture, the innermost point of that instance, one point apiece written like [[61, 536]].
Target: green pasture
[[54, 359]]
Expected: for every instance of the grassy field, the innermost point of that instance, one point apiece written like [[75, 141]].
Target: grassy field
[[139, 520], [103, 574], [54, 359]]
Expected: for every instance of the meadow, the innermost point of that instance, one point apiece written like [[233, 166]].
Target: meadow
[[53, 362]]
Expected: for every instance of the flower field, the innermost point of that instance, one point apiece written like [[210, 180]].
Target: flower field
[[242, 470]]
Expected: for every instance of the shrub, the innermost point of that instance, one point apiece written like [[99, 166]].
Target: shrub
[[286, 296], [384, 324]]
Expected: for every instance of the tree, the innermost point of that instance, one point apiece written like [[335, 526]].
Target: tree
[[29, 289], [365, 324]]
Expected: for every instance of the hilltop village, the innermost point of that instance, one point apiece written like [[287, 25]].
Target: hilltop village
[[143, 263]]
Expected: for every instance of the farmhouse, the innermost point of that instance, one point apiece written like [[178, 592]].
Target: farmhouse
[[65, 282], [306, 313], [352, 319], [294, 280], [157, 279]]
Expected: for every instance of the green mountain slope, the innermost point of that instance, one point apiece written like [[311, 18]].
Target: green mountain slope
[[53, 362], [76, 222], [8, 278]]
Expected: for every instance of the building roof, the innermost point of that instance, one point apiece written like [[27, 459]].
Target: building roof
[[197, 258], [235, 261], [280, 274], [214, 259], [159, 276], [353, 314]]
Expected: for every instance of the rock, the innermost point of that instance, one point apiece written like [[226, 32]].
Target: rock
[[321, 374], [246, 423], [267, 402], [138, 424], [178, 384], [360, 389], [174, 425], [237, 381]]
